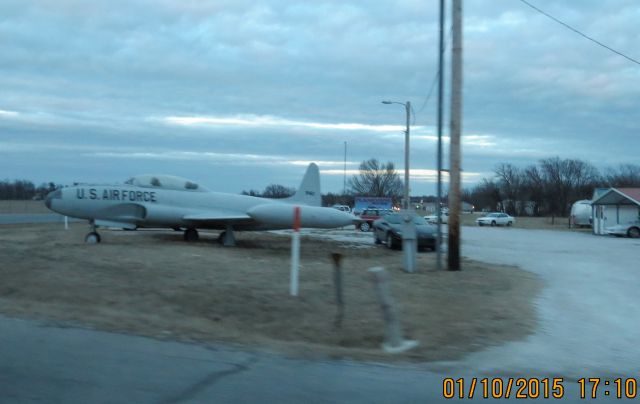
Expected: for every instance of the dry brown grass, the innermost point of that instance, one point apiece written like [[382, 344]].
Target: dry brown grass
[[154, 284]]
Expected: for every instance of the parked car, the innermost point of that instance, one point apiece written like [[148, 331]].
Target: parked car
[[631, 229], [388, 230], [368, 216], [496, 219], [344, 208], [433, 219]]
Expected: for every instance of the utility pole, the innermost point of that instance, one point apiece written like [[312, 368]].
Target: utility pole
[[406, 157], [440, 97], [456, 128], [344, 182]]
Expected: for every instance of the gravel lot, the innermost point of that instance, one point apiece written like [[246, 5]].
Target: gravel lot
[[589, 307]]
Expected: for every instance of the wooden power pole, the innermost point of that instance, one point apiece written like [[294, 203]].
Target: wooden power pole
[[456, 128]]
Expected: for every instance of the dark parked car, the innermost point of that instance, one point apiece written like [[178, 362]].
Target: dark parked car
[[388, 230], [370, 215]]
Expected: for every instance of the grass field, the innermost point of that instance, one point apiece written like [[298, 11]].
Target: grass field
[[526, 222], [23, 207], [153, 283]]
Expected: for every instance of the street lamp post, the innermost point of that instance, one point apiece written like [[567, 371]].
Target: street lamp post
[[407, 106], [409, 235]]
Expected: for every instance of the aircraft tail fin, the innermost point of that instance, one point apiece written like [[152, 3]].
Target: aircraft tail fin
[[309, 191]]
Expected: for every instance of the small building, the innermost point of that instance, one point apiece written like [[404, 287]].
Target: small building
[[467, 207], [614, 206]]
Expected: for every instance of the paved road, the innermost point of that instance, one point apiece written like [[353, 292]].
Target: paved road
[[588, 327], [48, 364]]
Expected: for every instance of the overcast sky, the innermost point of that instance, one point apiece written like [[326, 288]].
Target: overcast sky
[[239, 94]]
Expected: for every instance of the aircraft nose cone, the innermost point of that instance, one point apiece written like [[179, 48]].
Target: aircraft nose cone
[[47, 200]]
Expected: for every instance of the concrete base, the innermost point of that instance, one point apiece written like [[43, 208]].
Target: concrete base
[[404, 346]]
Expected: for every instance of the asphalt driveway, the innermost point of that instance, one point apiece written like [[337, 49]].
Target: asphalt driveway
[[589, 308]]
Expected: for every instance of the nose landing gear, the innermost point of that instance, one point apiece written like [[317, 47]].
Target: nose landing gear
[[92, 237]]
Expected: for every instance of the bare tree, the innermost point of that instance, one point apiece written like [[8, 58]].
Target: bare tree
[[534, 188], [274, 191], [17, 189], [485, 195], [627, 175], [330, 198], [251, 192], [277, 191], [376, 179], [566, 180], [511, 185]]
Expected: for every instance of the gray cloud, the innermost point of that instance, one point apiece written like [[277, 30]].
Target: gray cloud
[[87, 83]]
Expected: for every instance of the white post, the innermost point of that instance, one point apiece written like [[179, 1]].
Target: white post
[[295, 252], [394, 342], [66, 223]]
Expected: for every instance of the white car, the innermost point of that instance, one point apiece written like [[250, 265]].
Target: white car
[[344, 208], [631, 229], [433, 219], [496, 219]]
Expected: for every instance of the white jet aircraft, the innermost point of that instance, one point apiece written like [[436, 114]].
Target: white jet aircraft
[[174, 202]]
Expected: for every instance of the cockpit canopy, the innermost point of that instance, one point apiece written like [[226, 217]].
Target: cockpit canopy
[[165, 182]]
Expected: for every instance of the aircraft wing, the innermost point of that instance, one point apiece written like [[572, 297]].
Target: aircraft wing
[[218, 216]]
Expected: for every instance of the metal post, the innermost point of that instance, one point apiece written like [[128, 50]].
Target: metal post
[[409, 242], [409, 238], [337, 282], [440, 97], [456, 127], [295, 253], [406, 157]]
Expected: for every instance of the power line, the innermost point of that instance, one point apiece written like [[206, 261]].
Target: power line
[[433, 84], [580, 33], [435, 78]]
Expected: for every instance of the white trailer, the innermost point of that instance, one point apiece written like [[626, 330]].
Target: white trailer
[[581, 214]]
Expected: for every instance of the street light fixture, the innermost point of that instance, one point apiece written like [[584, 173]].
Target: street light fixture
[[407, 107], [409, 236]]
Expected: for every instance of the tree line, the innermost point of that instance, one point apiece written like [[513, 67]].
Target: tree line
[[546, 188], [24, 189]]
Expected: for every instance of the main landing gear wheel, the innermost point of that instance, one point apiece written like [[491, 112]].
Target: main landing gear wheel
[[191, 235], [92, 238]]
